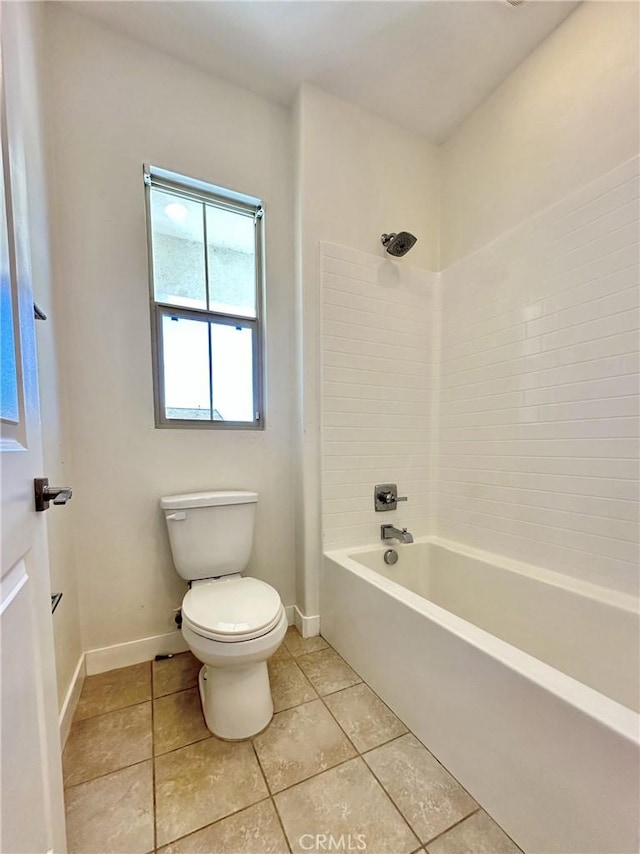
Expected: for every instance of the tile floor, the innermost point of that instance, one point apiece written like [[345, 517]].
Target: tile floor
[[335, 770]]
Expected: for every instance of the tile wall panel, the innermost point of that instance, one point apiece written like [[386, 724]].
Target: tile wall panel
[[377, 341], [538, 404]]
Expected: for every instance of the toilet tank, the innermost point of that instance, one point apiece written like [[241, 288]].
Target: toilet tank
[[211, 533]]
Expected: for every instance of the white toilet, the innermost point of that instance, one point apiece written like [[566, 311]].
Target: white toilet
[[232, 624]]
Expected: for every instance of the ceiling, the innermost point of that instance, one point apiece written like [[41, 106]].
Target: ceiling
[[424, 64]]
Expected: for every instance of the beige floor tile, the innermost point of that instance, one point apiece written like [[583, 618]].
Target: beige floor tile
[[346, 802], [175, 674], [299, 743], [364, 717], [202, 783], [477, 834], [281, 652], [113, 814], [178, 721], [289, 686], [256, 830], [106, 743], [297, 645], [327, 672], [427, 795], [115, 689]]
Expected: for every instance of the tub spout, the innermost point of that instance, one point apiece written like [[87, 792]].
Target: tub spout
[[388, 532]]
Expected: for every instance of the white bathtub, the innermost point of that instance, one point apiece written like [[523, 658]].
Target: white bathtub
[[524, 683]]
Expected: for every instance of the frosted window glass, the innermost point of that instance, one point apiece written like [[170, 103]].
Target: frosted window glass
[[232, 365], [186, 368], [9, 410], [178, 250], [232, 262]]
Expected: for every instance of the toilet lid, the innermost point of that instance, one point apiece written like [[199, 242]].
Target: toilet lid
[[232, 609]]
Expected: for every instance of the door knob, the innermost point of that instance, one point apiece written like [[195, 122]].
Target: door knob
[[45, 493]]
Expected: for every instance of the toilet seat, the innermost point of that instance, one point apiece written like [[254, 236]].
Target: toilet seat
[[231, 609]]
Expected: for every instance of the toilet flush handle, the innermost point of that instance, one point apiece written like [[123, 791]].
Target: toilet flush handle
[[180, 516]]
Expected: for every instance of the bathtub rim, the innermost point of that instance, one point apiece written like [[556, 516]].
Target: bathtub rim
[[588, 701]]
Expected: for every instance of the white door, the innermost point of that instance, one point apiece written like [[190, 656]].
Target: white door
[[31, 801]]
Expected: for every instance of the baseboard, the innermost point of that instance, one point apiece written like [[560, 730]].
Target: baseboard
[[308, 627], [71, 698], [133, 652]]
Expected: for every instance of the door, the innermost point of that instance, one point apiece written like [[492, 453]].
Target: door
[[31, 800]]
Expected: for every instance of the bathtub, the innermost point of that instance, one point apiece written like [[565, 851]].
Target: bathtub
[[524, 683]]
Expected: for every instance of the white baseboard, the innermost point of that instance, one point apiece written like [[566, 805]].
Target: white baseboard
[[308, 627], [70, 701], [133, 652]]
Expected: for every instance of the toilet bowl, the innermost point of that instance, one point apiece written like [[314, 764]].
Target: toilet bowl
[[232, 623]]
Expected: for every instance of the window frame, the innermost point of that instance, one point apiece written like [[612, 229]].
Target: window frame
[[190, 188]]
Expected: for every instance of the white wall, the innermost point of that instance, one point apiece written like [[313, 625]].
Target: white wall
[[377, 395], [358, 176], [538, 454], [566, 115], [113, 104]]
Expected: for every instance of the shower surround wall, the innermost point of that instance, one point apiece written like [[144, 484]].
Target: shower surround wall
[[538, 451], [377, 394], [501, 394]]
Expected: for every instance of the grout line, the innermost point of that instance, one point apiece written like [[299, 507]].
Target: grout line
[[522, 323], [531, 534], [545, 491], [520, 404], [153, 768], [443, 832], [544, 387], [271, 798], [601, 195], [454, 504], [281, 823], [337, 691], [604, 235], [316, 774], [217, 821], [376, 354], [384, 789], [545, 352], [540, 473], [255, 753], [361, 753], [110, 712], [363, 291], [108, 773], [483, 315], [182, 746], [342, 729]]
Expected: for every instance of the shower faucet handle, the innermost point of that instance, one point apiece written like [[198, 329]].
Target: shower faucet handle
[[385, 497]]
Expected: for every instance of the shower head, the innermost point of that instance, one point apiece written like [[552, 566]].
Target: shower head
[[398, 244]]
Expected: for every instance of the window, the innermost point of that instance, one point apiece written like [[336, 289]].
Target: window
[[206, 271]]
